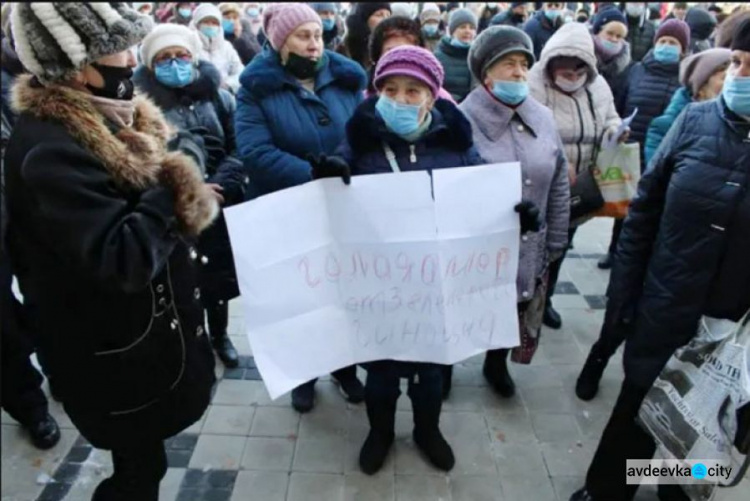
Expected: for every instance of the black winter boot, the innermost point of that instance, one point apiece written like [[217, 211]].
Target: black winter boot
[[381, 412], [218, 320], [605, 263], [551, 318], [447, 381], [427, 434], [496, 373], [588, 381], [581, 495], [45, 433]]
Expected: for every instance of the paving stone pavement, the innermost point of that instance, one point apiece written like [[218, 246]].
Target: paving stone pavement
[[535, 446]]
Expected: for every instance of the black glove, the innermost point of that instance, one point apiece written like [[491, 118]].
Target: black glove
[[213, 146], [325, 166], [529, 212]]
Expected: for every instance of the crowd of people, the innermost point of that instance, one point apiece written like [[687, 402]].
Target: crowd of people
[[127, 127]]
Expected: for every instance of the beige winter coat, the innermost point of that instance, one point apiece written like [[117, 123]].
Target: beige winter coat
[[585, 116]]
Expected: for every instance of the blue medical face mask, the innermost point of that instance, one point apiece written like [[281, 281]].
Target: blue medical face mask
[[403, 119], [510, 92], [736, 93], [611, 47], [185, 12], [253, 12], [328, 24], [552, 15], [174, 72], [210, 31], [667, 53], [460, 44], [430, 29], [228, 26]]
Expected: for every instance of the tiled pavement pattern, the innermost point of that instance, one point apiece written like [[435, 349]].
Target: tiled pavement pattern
[[533, 447]]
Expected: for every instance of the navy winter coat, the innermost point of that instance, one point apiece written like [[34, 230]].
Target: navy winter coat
[[458, 79], [447, 143], [204, 104], [684, 245], [540, 29], [278, 121], [649, 87]]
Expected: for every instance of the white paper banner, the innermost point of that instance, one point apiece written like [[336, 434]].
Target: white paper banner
[[332, 275]]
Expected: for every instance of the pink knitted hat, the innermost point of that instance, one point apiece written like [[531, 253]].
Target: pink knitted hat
[[411, 61], [281, 19]]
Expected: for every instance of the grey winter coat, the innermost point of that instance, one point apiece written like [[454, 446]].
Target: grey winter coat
[[528, 136]]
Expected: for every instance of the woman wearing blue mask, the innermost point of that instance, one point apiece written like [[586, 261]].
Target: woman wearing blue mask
[[453, 52], [239, 32], [207, 21], [188, 92], [295, 100], [182, 14], [682, 254], [429, 19], [650, 84], [406, 127], [329, 17], [509, 125], [544, 24]]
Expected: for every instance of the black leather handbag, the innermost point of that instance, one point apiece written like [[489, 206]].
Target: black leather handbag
[[585, 195]]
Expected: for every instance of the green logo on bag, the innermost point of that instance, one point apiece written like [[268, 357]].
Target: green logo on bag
[[613, 174]]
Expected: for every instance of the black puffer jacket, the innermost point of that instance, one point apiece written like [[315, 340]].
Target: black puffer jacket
[[458, 78], [101, 221], [204, 104], [649, 87], [641, 34], [684, 247], [246, 45]]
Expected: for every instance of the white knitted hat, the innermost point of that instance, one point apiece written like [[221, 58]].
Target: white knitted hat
[[169, 35], [205, 10]]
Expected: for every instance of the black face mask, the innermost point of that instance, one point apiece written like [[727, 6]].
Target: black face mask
[[117, 82], [303, 68], [518, 18], [582, 19]]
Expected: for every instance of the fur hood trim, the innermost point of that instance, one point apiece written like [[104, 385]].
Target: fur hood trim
[[136, 157]]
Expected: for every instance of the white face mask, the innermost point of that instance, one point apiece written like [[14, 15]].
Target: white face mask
[[567, 86]]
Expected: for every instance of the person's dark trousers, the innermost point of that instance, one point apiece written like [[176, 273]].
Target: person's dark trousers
[[616, 230], [138, 470], [624, 439], [22, 396], [425, 380], [554, 266], [347, 372], [610, 337]]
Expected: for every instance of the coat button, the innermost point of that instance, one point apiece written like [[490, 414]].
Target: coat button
[[160, 288], [520, 128], [525, 238], [197, 293], [173, 324], [204, 259], [162, 301], [199, 331], [527, 182], [193, 253], [525, 294]]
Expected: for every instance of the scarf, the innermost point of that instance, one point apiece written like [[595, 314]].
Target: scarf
[[117, 111]]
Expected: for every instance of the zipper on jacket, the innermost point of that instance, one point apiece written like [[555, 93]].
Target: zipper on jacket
[[412, 154], [580, 139]]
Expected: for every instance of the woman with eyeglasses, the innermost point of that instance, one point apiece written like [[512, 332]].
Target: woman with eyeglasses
[[189, 93]]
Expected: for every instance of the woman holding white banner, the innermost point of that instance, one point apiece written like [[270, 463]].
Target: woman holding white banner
[[295, 100], [407, 128], [511, 126]]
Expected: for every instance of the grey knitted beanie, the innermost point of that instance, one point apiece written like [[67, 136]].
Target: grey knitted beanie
[[494, 43], [459, 17], [55, 40]]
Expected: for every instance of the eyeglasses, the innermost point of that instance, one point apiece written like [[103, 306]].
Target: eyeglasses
[[168, 58]]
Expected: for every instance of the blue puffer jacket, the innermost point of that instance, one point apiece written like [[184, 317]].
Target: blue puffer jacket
[[458, 79], [684, 245], [447, 143], [540, 29], [278, 121], [649, 87], [660, 125]]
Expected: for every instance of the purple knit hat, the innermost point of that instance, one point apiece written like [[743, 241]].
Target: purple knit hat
[[281, 19], [411, 61], [675, 28]]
